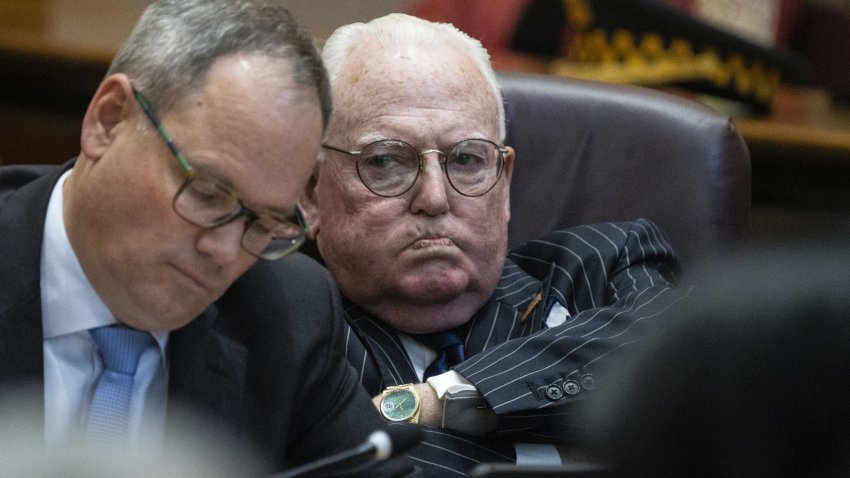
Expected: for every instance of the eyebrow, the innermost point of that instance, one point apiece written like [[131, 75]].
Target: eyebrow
[[395, 135], [211, 172]]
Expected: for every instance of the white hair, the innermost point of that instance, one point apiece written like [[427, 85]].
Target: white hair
[[401, 29]]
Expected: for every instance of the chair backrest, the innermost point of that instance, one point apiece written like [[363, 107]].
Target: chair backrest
[[592, 152]]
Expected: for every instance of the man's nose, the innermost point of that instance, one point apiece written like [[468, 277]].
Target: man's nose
[[223, 243], [430, 194]]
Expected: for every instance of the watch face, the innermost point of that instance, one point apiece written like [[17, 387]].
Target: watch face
[[399, 405]]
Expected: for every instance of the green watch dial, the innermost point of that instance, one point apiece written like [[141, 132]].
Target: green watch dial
[[399, 405]]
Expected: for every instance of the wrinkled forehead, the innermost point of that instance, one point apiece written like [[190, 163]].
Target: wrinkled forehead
[[380, 81]]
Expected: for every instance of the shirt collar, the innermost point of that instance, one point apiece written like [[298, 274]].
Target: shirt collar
[[62, 277]]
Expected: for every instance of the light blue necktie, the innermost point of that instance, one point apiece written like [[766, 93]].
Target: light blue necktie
[[120, 349]]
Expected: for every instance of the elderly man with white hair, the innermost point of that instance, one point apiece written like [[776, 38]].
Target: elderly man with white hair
[[410, 206]]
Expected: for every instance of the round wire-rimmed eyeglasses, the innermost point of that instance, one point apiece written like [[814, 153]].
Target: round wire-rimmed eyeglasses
[[390, 167]]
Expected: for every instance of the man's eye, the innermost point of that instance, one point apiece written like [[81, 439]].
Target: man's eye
[[383, 161], [468, 160], [204, 192]]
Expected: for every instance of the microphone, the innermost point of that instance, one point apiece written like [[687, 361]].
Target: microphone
[[380, 445]]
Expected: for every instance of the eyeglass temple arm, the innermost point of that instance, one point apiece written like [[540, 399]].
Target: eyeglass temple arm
[[146, 107]]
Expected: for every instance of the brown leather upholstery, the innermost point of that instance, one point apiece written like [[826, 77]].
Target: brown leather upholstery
[[590, 152]]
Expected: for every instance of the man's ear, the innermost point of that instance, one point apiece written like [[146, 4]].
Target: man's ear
[[309, 204], [111, 104], [509, 170]]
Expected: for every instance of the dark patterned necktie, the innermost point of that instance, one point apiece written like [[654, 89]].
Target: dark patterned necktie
[[449, 348], [120, 348]]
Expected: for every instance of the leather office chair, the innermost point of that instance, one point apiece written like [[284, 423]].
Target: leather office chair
[[590, 152]]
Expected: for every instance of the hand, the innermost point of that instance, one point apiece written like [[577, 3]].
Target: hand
[[376, 400], [430, 407]]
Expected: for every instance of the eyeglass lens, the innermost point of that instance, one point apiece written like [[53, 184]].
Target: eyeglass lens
[[390, 168], [206, 204]]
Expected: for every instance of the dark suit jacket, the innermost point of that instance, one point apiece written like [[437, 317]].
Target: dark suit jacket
[[265, 361], [611, 278]]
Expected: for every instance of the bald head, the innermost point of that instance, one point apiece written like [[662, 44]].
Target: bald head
[[398, 56]]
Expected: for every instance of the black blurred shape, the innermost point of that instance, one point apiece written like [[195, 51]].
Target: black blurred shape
[[540, 29], [751, 377], [380, 445]]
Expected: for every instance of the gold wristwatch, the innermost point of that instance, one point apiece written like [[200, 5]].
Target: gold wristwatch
[[400, 404]]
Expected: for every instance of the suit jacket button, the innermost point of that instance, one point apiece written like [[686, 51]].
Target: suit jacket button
[[571, 387], [588, 382], [554, 392]]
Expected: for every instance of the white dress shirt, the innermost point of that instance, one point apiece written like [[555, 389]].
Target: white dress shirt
[[70, 307]]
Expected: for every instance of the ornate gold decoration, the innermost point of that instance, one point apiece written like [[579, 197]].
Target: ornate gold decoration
[[624, 56]]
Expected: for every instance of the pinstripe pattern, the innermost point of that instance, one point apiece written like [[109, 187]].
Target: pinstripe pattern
[[611, 277]]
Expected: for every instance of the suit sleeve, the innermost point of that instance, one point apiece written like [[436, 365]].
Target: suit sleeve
[[613, 279], [331, 411]]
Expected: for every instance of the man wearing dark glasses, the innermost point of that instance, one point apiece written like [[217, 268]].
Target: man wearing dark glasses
[[156, 270], [410, 206]]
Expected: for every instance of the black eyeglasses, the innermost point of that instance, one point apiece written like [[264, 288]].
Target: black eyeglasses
[[390, 167], [208, 204]]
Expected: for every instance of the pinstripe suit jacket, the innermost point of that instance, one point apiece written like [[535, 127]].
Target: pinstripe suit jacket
[[612, 278]]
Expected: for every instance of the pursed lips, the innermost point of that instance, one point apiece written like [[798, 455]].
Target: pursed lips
[[431, 241]]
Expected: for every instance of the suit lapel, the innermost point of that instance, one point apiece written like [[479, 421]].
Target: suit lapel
[[21, 337], [512, 311], [22, 363], [207, 370], [21, 340], [375, 345], [499, 320], [383, 344]]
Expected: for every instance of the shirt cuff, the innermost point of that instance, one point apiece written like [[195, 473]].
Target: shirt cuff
[[537, 454], [464, 409], [449, 380]]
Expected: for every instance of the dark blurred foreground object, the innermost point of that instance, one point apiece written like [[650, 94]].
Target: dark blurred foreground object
[[380, 445], [574, 470], [751, 378], [194, 447]]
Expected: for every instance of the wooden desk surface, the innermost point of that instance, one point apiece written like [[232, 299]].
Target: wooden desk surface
[[834, 137], [802, 121]]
